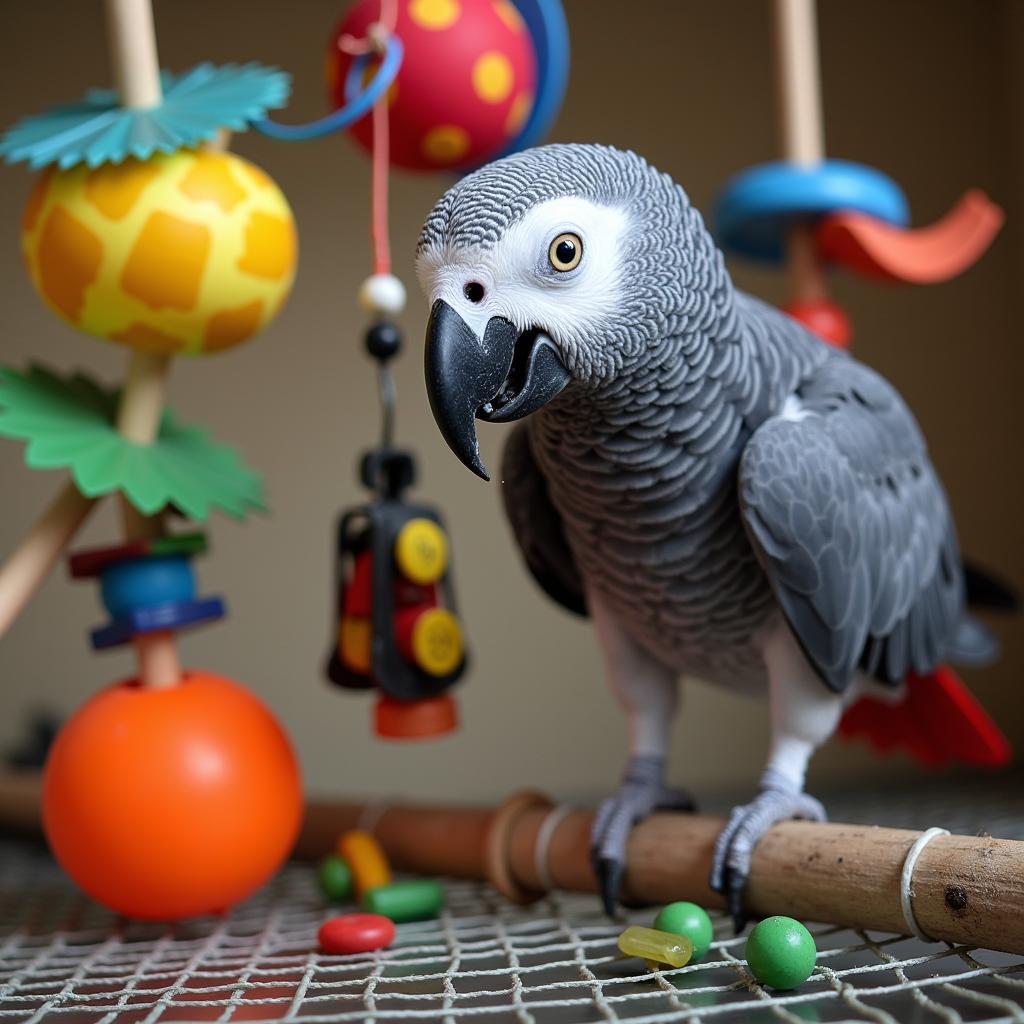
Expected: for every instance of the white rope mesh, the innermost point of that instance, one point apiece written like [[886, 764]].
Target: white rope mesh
[[63, 959]]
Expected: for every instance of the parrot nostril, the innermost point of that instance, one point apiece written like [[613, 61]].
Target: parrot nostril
[[474, 291]]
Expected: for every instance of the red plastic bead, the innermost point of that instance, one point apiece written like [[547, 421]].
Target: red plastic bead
[[825, 318], [356, 933]]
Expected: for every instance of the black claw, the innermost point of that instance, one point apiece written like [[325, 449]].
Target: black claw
[[736, 885], [609, 873]]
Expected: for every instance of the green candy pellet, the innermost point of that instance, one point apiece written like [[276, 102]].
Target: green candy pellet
[[690, 920], [335, 878], [781, 952], [416, 900]]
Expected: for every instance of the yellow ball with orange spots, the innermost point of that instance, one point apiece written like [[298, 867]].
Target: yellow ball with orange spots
[[185, 253]]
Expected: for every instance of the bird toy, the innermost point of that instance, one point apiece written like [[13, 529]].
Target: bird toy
[[144, 231], [814, 213]]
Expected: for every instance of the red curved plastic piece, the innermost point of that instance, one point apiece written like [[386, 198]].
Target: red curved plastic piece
[[938, 720], [946, 248]]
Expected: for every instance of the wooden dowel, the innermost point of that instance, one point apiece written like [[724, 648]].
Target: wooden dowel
[[31, 561], [133, 56], [801, 129], [966, 889]]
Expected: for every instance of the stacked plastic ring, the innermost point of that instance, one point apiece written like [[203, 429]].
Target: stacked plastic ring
[[147, 586]]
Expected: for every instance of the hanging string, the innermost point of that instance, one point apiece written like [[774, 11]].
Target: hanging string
[[376, 41]]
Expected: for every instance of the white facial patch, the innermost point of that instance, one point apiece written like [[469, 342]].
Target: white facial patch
[[519, 282]]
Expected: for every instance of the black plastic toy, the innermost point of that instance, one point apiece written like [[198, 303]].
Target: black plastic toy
[[397, 627]]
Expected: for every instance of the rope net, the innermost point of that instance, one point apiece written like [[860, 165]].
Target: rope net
[[63, 958]]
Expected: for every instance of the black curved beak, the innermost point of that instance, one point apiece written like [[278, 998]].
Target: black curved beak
[[503, 376]]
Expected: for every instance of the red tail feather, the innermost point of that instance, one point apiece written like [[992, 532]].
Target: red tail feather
[[939, 720]]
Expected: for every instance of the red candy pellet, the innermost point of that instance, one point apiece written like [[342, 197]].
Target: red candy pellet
[[356, 933]]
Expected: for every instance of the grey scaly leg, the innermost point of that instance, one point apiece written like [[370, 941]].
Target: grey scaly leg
[[647, 691], [804, 713]]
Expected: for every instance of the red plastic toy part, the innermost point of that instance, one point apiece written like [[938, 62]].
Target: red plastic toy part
[[912, 256], [827, 319], [415, 719], [939, 720], [165, 803], [466, 85]]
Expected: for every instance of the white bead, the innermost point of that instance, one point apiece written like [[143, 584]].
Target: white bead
[[382, 294]]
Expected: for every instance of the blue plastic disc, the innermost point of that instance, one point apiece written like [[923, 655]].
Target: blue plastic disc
[[757, 207], [145, 583], [171, 616], [545, 21]]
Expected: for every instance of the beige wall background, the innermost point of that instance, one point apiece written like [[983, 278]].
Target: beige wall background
[[931, 91]]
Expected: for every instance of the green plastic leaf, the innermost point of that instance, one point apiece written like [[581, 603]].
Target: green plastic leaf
[[68, 423]]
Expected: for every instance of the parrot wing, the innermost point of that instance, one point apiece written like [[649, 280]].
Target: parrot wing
[[536, 524], [852, 526]]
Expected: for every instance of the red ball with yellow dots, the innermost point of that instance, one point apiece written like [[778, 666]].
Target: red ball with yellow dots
[[466, 85]]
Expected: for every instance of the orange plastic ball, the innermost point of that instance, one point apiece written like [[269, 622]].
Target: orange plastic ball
[[167, 803]]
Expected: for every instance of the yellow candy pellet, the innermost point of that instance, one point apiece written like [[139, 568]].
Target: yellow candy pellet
[[421, 551], [364, 856], [662, 947]]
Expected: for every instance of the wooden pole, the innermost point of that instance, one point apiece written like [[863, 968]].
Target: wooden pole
[[966, 889], [801, 130], [30, 562], [136, 69]]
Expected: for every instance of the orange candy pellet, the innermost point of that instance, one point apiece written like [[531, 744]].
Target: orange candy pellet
[[364, 856]]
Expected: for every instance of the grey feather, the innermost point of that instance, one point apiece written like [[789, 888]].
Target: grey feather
[[853, 528], [536, 525]]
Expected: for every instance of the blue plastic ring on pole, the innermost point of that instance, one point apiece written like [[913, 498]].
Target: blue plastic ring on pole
[[358, 106], [146, 582], [757, 207], [173, 615]]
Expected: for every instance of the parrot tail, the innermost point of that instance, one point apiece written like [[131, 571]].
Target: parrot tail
[[939, 720]]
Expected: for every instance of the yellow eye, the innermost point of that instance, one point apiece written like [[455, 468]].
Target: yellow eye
[[565, 252]]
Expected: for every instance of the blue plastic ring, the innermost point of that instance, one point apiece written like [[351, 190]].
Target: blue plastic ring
[[171, 616], [146, 582], [360, 104], [756, 208], [545, 21]]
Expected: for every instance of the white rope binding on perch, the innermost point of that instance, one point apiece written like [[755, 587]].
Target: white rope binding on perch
[[540, 850], [907, 878]]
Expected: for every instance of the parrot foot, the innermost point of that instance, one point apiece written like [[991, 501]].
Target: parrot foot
[[777, 801], [642, 791]]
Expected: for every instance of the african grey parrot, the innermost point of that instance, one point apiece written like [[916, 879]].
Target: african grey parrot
[[727, 496]]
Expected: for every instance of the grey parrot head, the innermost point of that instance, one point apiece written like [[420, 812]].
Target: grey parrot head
[[557, 269]]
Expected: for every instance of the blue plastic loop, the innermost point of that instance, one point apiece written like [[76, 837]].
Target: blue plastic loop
[[359, 105], [173, 615], [757, 207], [146, 583], [545, 21]]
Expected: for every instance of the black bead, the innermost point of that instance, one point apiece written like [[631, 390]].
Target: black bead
[[383, 341]]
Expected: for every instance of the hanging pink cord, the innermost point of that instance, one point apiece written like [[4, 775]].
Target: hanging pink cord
[[374, 41]]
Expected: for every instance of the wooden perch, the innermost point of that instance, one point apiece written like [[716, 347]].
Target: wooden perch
[[965, 890]]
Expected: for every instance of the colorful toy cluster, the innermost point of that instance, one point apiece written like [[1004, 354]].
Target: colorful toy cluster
[[143, 231], [359, 867]]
